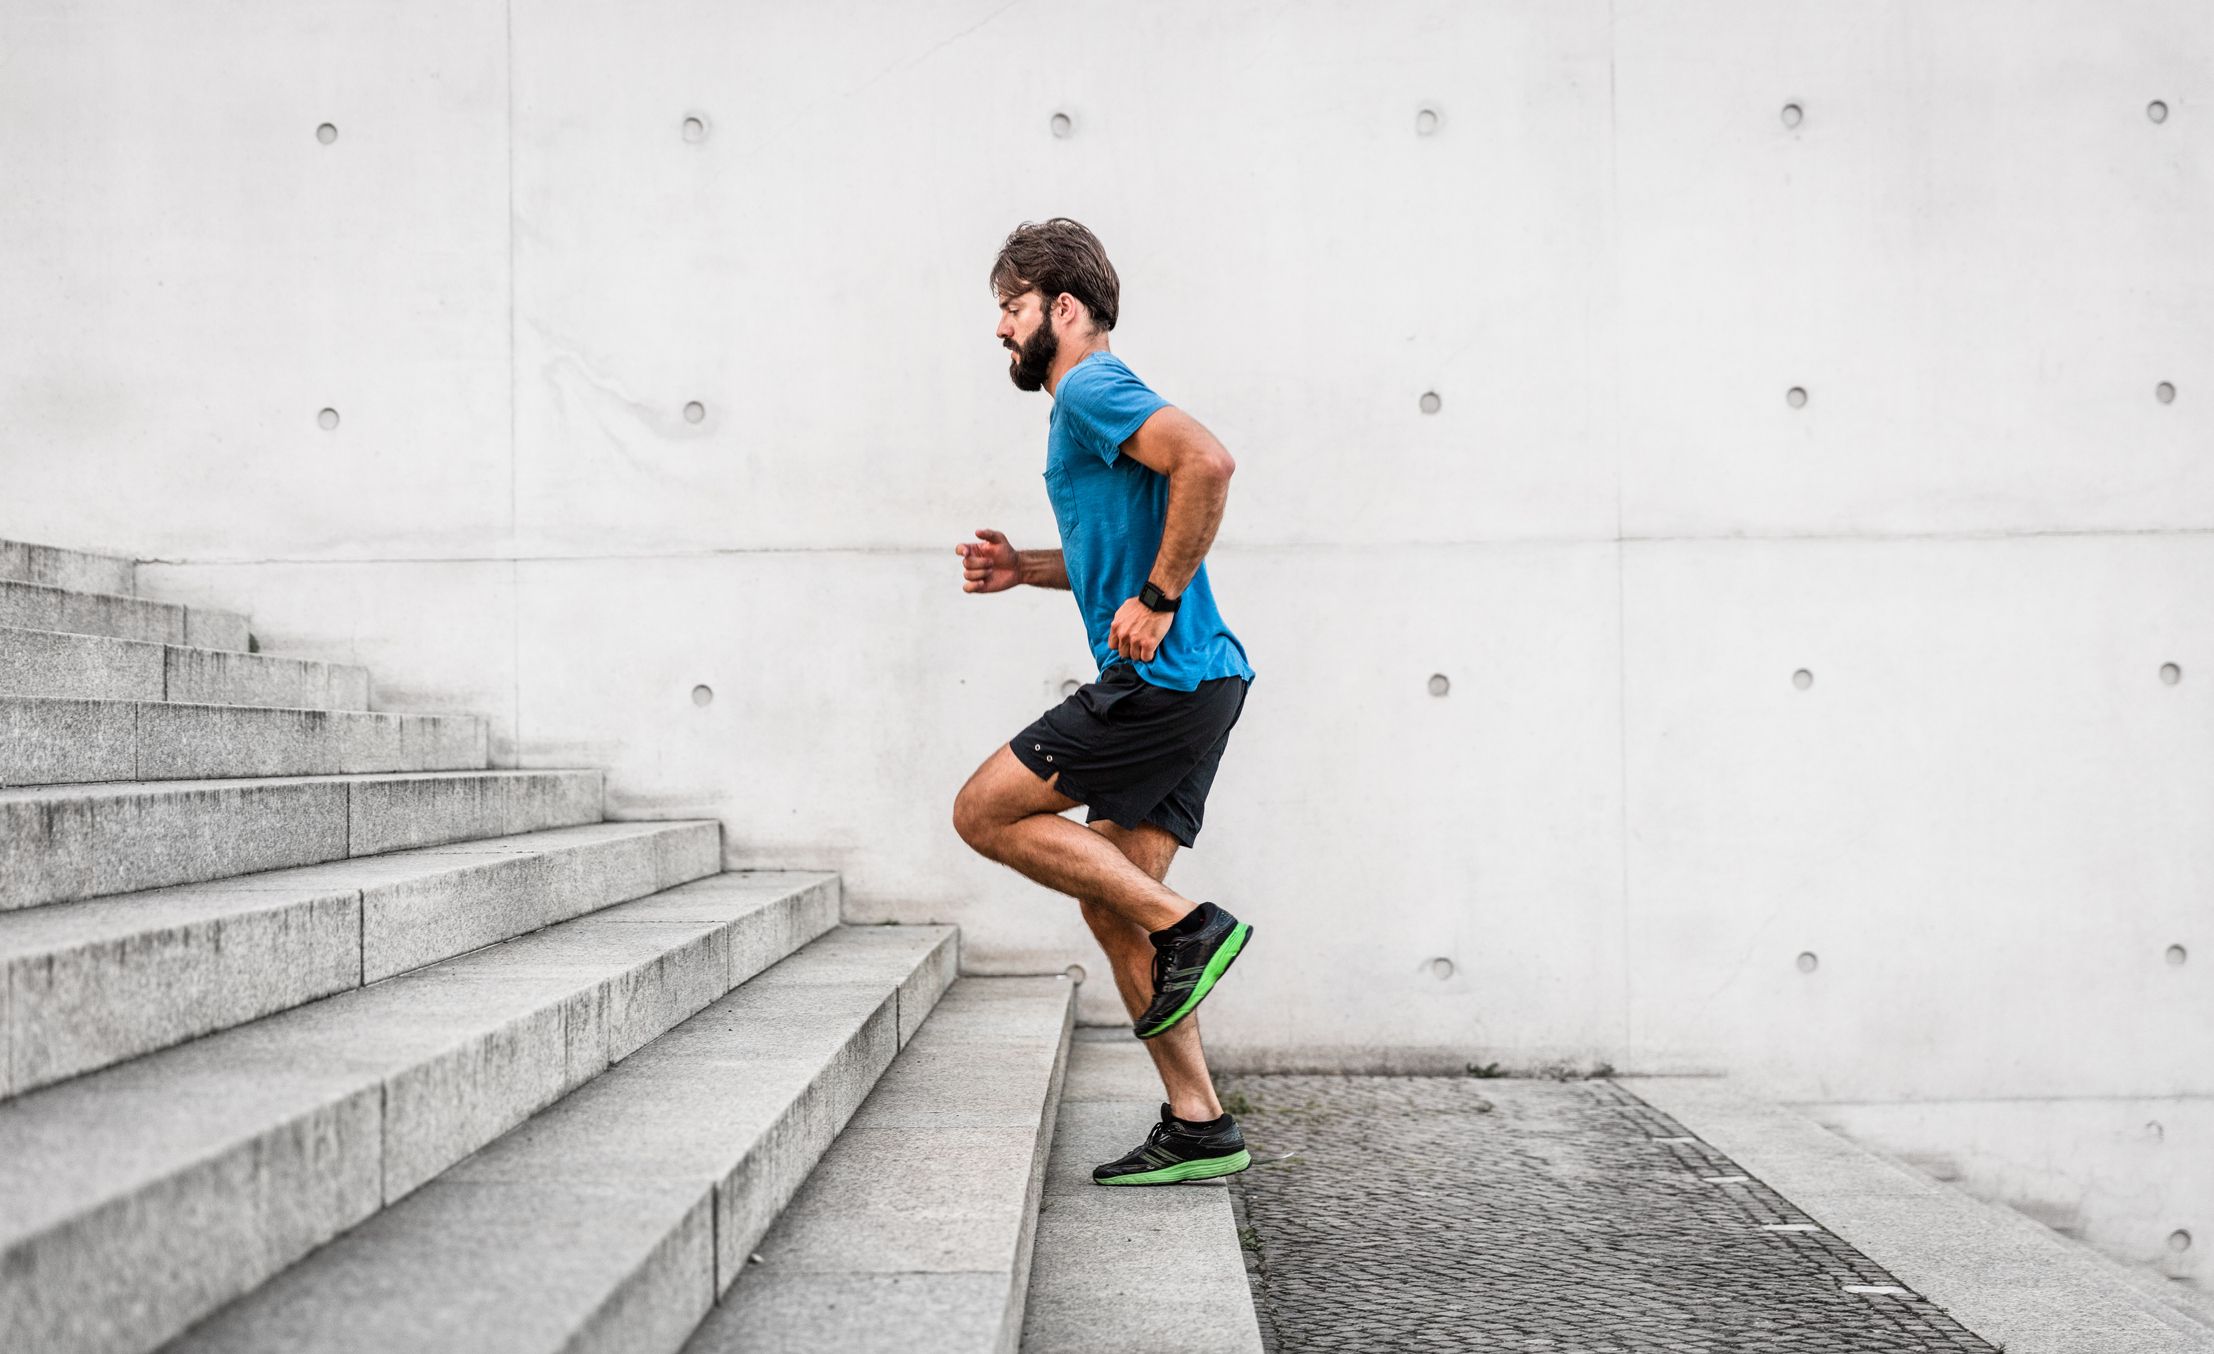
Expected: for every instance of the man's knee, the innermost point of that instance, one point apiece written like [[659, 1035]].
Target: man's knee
[[975, 819]]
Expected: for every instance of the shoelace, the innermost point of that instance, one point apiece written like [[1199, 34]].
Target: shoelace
[[1163, 971]]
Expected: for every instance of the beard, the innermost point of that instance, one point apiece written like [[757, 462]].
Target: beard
[[1034, 359]]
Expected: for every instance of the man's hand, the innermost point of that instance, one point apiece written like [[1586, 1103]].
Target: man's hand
[[990, 567], [1137, 630]]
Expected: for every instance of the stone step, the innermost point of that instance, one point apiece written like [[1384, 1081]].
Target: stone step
[[62, 666], [28, 606], [138, 1200], [913, 1234], [91, 983], [51, 567], [1161, 1267], [612, 1220], [59, 843], [65, 742]]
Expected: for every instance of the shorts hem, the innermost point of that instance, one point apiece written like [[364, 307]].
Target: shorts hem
[[1184, 835], [1036, 765]]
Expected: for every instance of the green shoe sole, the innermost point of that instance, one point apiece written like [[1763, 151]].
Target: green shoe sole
[[1201, 1169], [1216, 967]]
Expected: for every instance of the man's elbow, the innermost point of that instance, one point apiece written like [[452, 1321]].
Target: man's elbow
[[1212, 462]]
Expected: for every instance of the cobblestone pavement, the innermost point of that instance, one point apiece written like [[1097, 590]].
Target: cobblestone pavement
[[1451, 1213]]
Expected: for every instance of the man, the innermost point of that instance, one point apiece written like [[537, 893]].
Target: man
[[1137, 488]]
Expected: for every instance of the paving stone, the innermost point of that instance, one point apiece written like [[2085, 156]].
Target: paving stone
[[2005, 1275], [1497, 1214]]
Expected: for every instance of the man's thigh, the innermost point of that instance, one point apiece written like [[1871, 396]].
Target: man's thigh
[[1004, 789]]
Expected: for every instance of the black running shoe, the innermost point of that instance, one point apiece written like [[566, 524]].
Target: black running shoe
[[1176, 1151], [1185, 968]]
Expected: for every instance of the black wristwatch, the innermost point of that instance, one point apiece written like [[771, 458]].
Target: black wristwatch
[[1157, 600]]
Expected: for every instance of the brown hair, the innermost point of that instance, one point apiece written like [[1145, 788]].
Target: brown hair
[[1058, 256]]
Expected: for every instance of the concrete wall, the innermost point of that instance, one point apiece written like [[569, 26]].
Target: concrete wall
[[1934, 889]]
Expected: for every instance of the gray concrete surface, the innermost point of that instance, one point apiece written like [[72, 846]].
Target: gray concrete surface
[[68, 842], [32, 607], [92, 982], [60, 742], [81, 667], [56, 742], [390, 813], [59, 843], [207, 742], [595, 1224], [453, 898], [2010, 1278], [52, 567], [135, 1200], [218, 677], [89, 984], [62, 666], [207, 628], [913, 1233], [1151, 1268]]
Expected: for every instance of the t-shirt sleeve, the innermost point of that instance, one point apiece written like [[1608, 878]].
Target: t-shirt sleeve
[[1106, 405]]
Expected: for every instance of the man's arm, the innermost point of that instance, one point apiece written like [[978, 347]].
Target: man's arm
[[1198, 469], [990, 564], [1042, 569]]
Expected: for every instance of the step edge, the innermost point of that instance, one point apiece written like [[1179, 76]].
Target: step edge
[[707, 1193], [726, 1315], [794, 900], [278, 896], [333, 664], [111, 788]]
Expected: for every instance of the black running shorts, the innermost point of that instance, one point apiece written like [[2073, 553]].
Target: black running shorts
[[1134, 752]]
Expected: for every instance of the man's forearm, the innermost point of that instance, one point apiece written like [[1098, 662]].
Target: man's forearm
[[1195, 501], [1042, 568]]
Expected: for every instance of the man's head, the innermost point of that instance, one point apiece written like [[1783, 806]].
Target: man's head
[[1054, 284]]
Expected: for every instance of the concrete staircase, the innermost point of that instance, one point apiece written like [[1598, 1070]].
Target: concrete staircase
[[317, 1032]]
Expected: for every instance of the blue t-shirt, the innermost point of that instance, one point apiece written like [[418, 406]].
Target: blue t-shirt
[[1111, 509]]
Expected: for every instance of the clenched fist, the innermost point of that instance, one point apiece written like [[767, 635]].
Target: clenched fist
[[1137, 630], [990, 567]]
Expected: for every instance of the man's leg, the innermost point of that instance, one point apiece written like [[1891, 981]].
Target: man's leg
[[1177, 1055], [1007, 814]]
